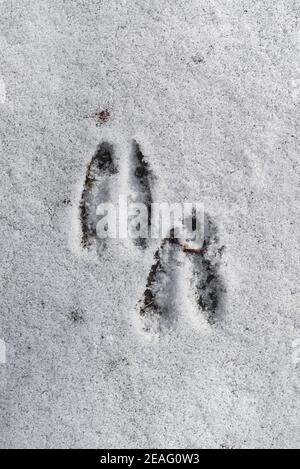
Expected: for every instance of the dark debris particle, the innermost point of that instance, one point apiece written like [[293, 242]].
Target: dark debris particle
[[76, 316], [66, 202], [198, 59], [102, 117]]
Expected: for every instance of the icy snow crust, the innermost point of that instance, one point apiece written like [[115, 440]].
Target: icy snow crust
[[209, 90]]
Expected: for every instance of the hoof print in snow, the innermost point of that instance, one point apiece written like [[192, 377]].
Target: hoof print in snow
[[158, 308], [96, 190], [206, 277], [140, 182]]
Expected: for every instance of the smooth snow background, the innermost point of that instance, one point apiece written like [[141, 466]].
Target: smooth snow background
[[210, 90]]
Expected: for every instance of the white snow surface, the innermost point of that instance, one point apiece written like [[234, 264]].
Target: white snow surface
[[210, 90]]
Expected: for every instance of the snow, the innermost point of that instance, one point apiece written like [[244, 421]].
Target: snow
[[210, 90]]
